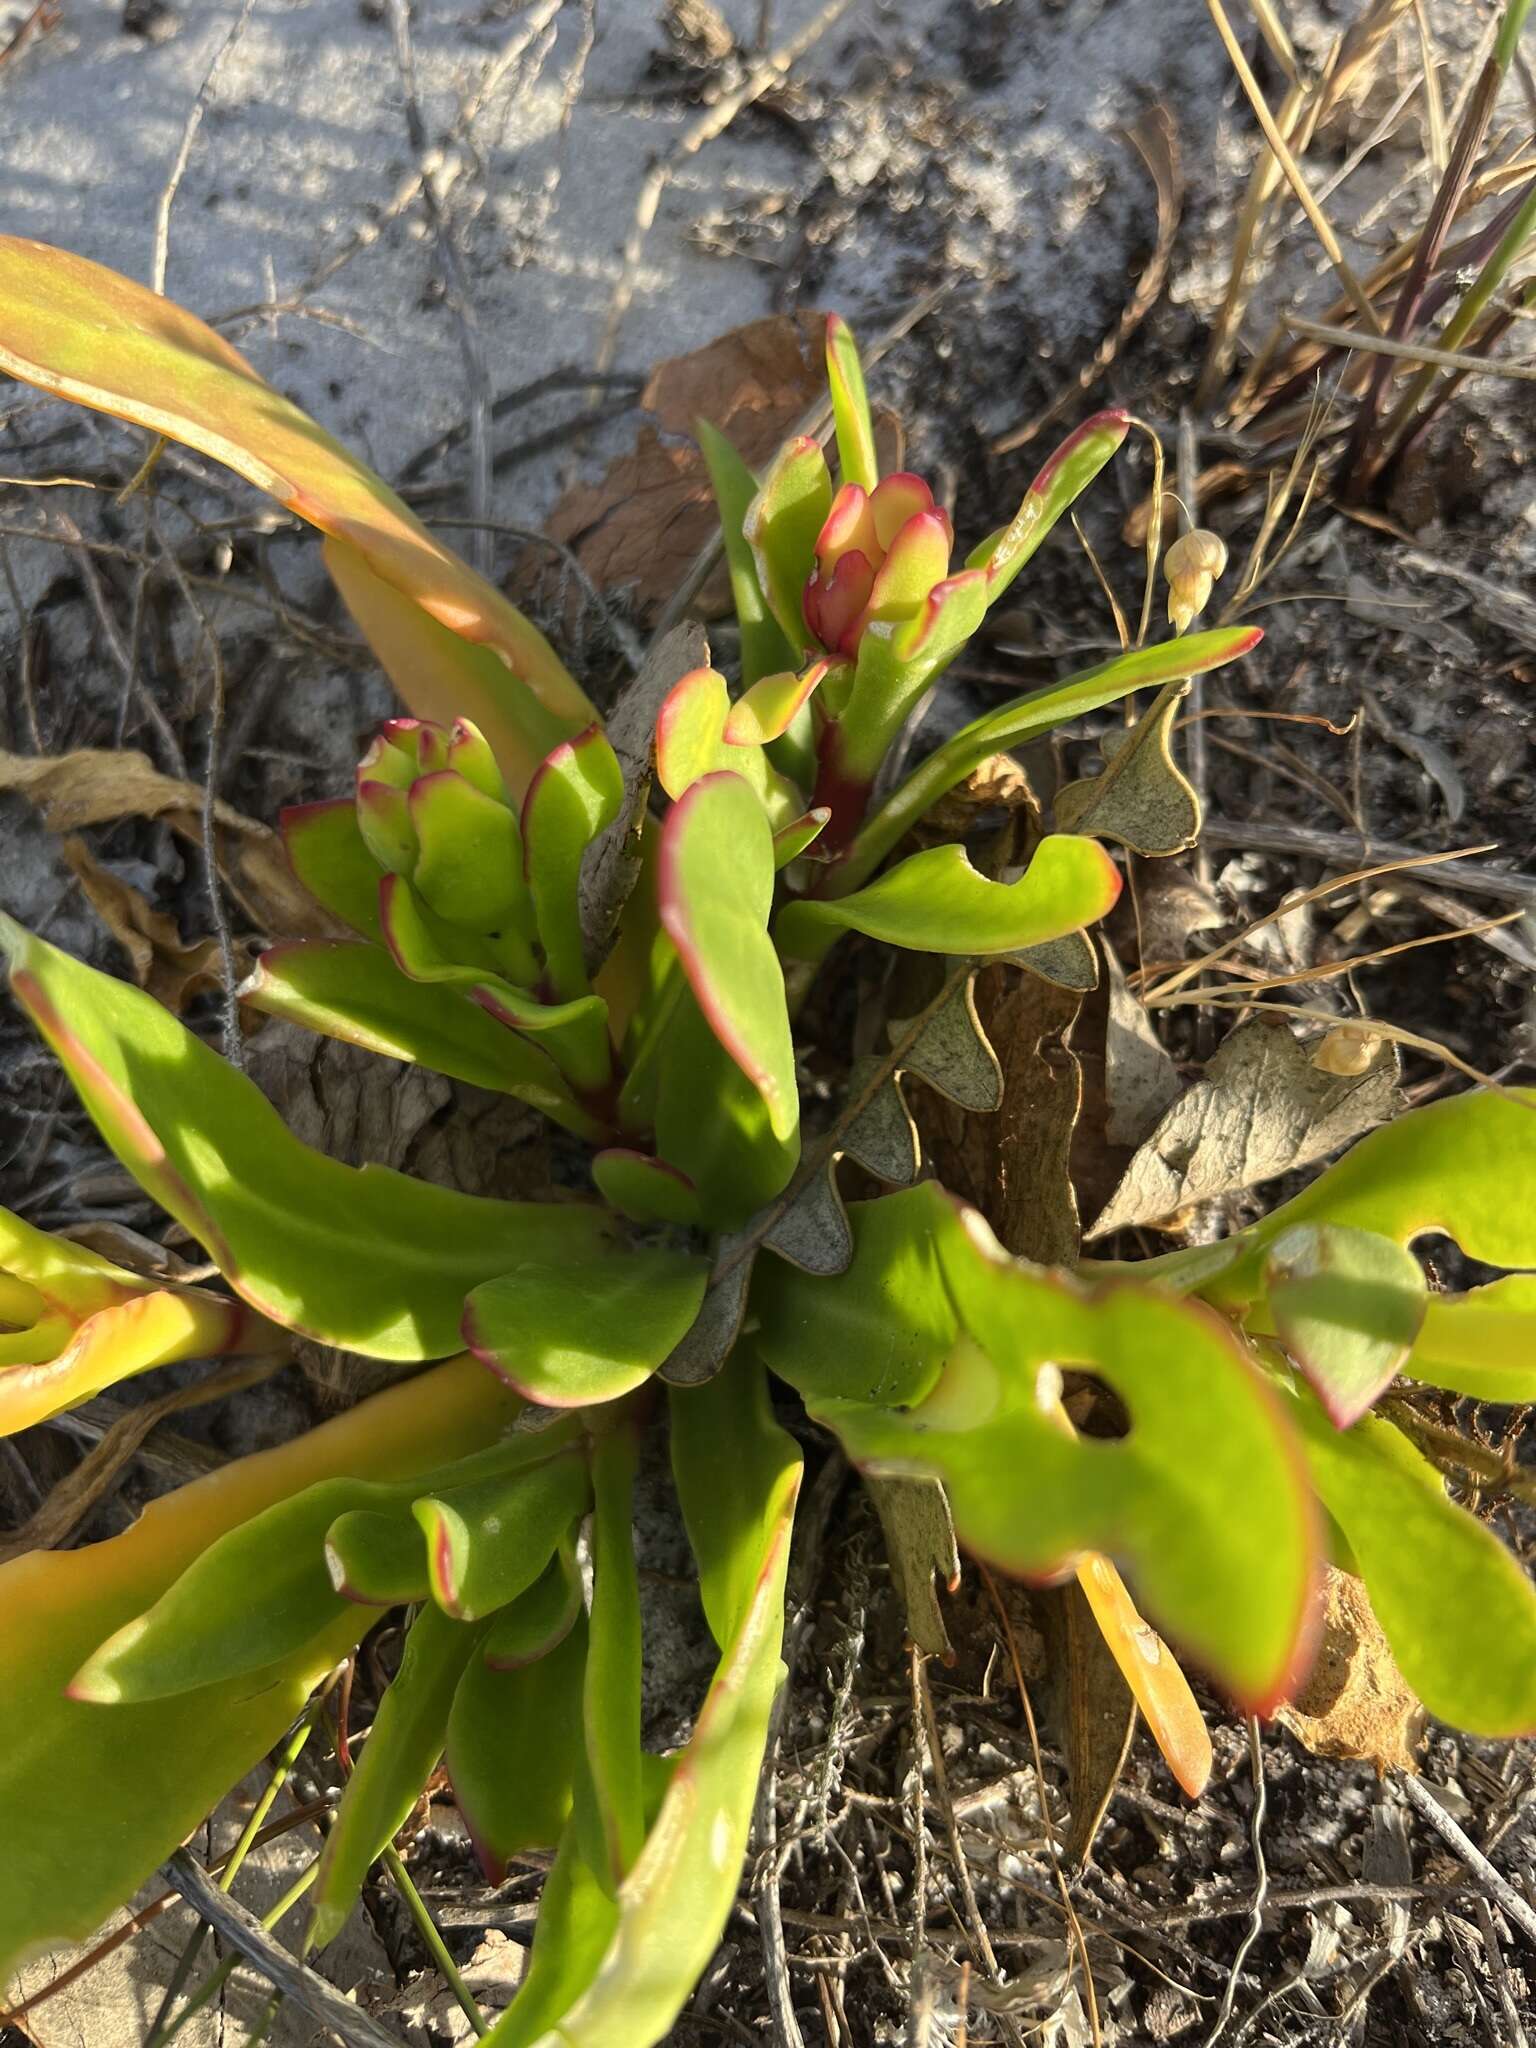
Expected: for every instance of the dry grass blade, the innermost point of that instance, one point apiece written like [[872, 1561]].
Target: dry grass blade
[[1294, 176], [1164, 989], [1411, 351], [1300, 976], [1155, 137]]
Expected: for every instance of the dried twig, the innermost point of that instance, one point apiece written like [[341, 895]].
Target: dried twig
[[322, 2001], [178, 168], [1424, 1802], [714, 120]]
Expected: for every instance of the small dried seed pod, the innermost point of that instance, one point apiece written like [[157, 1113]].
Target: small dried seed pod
[[1347, 1050], [1192, 566]]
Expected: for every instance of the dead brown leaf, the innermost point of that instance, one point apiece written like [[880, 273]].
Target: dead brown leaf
[[170, 970], [1140, 1080], [641, 525], [1261, 1109], [97, 785], [1356, 1704]]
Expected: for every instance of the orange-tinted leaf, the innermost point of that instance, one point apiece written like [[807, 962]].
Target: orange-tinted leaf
[[81, 331]]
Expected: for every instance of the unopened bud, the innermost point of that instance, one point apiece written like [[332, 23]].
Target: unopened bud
[[1192, 566]]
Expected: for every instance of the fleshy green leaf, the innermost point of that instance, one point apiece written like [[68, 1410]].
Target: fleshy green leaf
[[577, 1917], [764, 649], [1457, 1609], [85, 333], [623, 1986], [850, 406], [793, 839], [936, 902], [712, 1123], [715, 887], [514, 1749], [401, 1753], [769, 708], [442, 675], [1023, 719], [576, 794], [470, 853], [207, 1624], [355, 992], [1201, 1501], [574, 1033], [488, 1540], [376, 1558], [691, 743], [1481, 1343], [328, 853], [611, 1688], [644, 1189], [133, 1781], [737, 1473], [576, 1329], [1061, 481], [1347, 1305], [781, 527], [361, 1257], [530, 1626]]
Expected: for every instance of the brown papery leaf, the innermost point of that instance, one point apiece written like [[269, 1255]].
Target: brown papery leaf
[[1140, 1080], [1356, 1704], [1261, 1109], [98, 785], [171, 971], [641, 525]]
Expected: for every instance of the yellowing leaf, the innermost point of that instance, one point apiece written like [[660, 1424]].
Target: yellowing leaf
[[133, 1781], [83, 332]]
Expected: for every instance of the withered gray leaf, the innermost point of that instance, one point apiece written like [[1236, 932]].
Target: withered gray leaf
[[952, 1054], [1261, 1109], [1068, 962], [813, 1232], [882, 1137], [611, 865], [717, 1325], [1142, 800], [1140, 1080], [920, 1544]]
